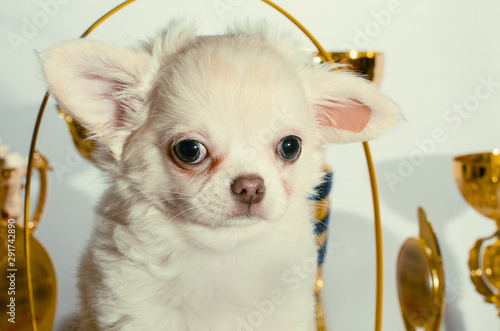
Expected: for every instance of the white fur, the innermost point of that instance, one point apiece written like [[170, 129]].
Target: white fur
[[168, 252]]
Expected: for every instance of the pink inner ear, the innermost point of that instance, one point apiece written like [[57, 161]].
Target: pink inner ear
[[353, 117]]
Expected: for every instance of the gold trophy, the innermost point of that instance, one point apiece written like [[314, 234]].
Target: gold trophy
[[478, 178], [13, 294], [421, 279]]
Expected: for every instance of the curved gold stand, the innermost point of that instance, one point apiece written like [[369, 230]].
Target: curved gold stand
[[421, 279], [478, 179]]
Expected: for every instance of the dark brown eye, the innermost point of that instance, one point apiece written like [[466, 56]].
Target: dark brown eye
[[190, 151], [289, 148]]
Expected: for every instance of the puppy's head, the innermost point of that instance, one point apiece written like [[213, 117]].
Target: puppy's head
[[219, 130]]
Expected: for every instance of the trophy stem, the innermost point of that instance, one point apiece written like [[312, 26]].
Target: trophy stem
[[484, 267]]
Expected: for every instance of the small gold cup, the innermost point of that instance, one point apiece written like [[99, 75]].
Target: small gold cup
[[478, 179]]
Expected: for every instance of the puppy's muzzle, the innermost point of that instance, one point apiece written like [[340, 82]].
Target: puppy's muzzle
[[248, 189]]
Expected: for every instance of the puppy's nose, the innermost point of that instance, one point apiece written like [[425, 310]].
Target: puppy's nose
[[248, 189]]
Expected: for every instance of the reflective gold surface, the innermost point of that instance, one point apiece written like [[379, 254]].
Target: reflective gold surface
[[484, 269], [44, 285], [421, 279], [477, 177], [80, 135]]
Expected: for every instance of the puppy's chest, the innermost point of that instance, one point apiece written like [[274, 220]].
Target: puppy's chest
[[241, 271], [169, 277], [232, 277], [220, 287]]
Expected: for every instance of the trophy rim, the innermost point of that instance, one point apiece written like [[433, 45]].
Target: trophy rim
[[479, 158], [359, 54], [478, 177]]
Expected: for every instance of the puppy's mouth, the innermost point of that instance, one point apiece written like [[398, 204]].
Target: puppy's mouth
[[242, 215], [245, 220], [247, 212]]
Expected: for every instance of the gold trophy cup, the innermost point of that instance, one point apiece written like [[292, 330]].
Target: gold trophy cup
[[478, 178], [14, 294]]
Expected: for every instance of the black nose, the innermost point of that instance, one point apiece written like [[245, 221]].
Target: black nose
[[248, 189]]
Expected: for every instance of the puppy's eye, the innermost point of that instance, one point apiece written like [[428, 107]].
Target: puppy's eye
[[289, 148], [190, 151]]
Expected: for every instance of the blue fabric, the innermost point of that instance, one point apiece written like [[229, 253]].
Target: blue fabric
[[322, 190], [321, 226]]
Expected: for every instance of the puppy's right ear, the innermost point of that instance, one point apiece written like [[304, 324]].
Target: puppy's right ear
[[103, 87], [348, 108]]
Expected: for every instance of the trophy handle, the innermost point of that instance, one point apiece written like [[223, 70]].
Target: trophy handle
[[478, 274], [42, 165]]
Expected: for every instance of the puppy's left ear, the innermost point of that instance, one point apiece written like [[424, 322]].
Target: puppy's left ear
[[101, 86], [348, 108]]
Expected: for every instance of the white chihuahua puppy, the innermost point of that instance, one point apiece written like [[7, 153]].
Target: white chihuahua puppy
[[213, 145]]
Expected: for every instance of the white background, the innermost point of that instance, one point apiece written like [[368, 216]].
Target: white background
[[436, 55]]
